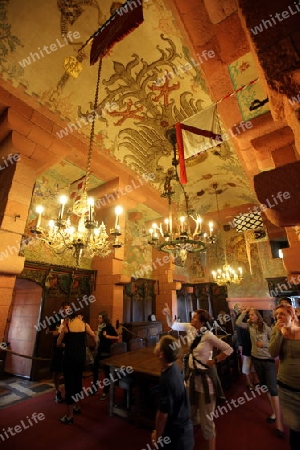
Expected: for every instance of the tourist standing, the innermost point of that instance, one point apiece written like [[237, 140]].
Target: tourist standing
[[73, 336], [107, 335], [285, 343], [173, 426], [205, 386], [264, 364]]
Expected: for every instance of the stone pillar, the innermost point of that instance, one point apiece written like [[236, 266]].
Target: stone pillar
[[110, 281], [163, 273], [17, 178], [109, 290]]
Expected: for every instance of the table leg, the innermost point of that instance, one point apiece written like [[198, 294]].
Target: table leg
[[111, 392]]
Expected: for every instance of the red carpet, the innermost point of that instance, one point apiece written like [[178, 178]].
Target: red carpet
[[244, 427]]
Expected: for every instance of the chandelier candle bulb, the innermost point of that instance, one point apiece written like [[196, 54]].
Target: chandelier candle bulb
[[118, 211], [62, 201], [39, 210], [117, 222], [198, 228], [155, 234], [182, 219], [199, 220], [167, 225], [91, 207]]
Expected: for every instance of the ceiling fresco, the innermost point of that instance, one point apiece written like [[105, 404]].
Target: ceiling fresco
[[253, 100], [149, 81]]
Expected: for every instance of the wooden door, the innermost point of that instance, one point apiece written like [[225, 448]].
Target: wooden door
[[24, 316]]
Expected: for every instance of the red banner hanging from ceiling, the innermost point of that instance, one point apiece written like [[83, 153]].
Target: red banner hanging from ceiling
[[128, 17]]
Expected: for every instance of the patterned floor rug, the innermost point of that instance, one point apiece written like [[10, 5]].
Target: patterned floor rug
[[16, 389]]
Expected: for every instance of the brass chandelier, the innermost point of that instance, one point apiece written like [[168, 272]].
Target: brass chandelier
[[76, 229], [181, 233], [225, 275]]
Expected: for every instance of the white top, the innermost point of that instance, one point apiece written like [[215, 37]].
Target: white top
[[204, 351], [191, 331]]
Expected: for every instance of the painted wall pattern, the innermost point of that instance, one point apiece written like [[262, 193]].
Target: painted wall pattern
[[152, 79]]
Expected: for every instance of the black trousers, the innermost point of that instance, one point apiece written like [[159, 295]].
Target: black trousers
[[99, 357]]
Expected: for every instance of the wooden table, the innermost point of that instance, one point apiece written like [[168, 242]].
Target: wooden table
[[146, 372], [142, 360], [145, 375]]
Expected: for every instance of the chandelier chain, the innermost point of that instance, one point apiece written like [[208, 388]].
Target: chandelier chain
[[176, 236], [83, 235], [92, 135]]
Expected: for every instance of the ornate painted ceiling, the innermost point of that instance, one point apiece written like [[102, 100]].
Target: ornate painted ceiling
[[149, 81]]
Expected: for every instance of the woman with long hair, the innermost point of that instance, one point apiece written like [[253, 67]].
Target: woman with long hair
[[263, 362], [285, 343], [73, 336]]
